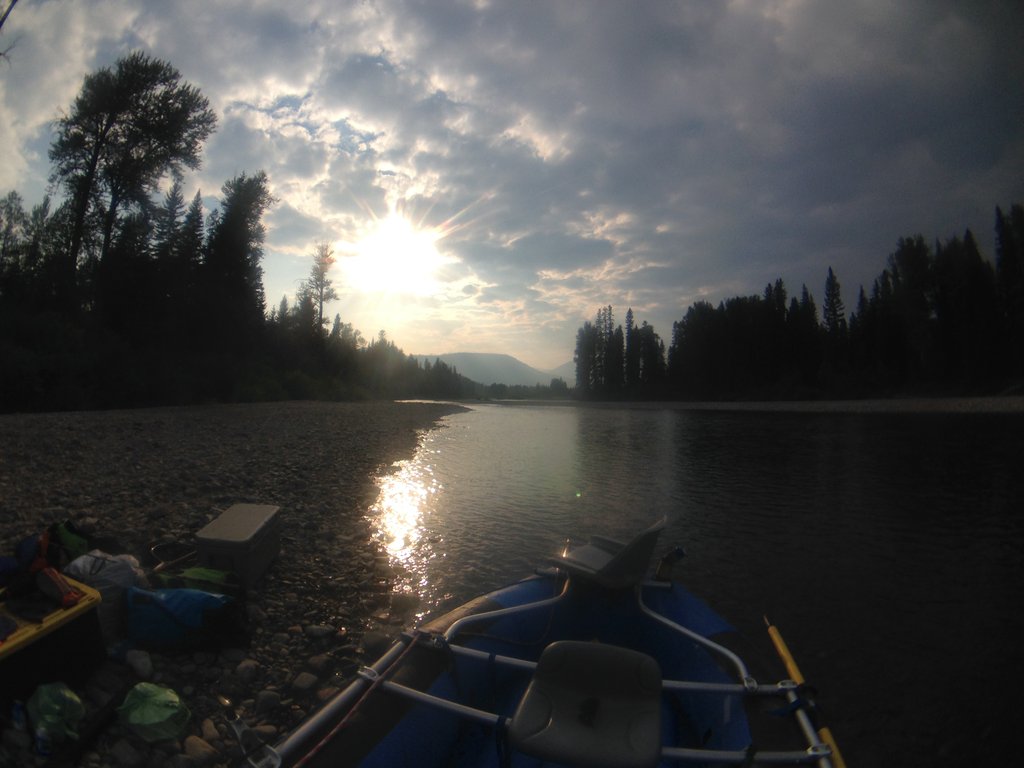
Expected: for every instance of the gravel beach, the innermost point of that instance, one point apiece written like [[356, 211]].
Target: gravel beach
[[143, 476]]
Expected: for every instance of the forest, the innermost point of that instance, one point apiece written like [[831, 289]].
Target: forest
[[939, 320], [115, 291], [114, 295]]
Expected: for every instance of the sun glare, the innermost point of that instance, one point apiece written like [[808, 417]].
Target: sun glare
[[396, 256]]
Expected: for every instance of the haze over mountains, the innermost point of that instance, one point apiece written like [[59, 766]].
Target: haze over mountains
[[488, 369]]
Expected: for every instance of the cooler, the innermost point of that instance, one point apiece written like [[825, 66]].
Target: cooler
[[244, 539]]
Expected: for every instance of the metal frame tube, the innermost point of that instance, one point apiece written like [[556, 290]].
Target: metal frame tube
[[741, 669], [479, 715], [508, 661], [454, 629]]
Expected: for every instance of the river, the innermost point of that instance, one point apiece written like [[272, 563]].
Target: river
[[886, 542]]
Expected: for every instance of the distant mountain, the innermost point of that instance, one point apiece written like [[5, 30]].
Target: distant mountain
[[497, 369], [566, 372]]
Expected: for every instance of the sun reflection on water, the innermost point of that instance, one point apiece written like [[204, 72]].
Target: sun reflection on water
[[406, 496]]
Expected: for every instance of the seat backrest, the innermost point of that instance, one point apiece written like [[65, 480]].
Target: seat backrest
[[619, 569]]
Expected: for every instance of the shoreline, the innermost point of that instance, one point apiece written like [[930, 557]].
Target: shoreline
[[159, 474], [994, 404]]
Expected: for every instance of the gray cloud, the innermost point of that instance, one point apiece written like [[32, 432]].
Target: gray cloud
[[574, 154]]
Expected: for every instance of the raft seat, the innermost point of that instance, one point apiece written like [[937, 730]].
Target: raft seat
[[591, 704], [610, 563]]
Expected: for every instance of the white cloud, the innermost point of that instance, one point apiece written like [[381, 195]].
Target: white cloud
[[576, 154]]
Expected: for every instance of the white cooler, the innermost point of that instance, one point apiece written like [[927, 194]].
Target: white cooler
[[244, 539]]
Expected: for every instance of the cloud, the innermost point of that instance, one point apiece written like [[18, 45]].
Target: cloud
[[573, 154]]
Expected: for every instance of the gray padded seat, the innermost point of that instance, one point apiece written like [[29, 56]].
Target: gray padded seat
[[610, 563], [593, 705]]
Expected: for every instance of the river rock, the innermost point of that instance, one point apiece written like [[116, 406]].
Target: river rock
[[200, 750], [375, 643], [208, 730], [304, 682], [187, 465], [319, 663], [247, 669], [232, 655], [318, 631], [266, 732], [267, 701], [126, 755], [140, 662], [16, 739]]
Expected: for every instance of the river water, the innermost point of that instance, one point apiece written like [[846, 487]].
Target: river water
[[886, 542]]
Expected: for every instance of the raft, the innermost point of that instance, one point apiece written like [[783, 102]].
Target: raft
[[586, 663]]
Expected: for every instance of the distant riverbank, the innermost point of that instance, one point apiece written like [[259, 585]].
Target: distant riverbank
[[1006, 404]]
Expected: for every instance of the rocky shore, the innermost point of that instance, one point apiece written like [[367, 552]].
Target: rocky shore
[[144, 476]]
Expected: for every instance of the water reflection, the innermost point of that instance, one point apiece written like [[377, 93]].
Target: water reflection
[[404, 501], [880, 541]]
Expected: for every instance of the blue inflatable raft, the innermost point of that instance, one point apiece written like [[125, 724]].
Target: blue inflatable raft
[[585, 664]]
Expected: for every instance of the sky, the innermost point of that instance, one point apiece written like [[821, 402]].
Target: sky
[[490, 173]]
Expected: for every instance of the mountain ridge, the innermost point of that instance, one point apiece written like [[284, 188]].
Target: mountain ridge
[[496, 368]]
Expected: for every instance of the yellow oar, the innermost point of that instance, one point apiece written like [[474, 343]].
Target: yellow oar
[[797, 677]]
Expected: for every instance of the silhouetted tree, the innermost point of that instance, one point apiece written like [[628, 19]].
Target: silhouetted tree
[[652, 361], [632, 361], [319, 286], [834, 328], [14, 223], [832, 309], [1010, 285], [3, 20], [232, 268], [585, 358], [965, 311], [693, 354], [128, 128]]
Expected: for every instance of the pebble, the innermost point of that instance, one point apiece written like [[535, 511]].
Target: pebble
[[232, 655], [16, 739], [126, 755], [247, 669], [140, 662], [319, 631], [320, 662], [199, 750], [267, 701], [304, 682], [188, 464], [209, 730]]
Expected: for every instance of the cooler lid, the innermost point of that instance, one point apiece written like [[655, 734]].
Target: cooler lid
[[239, 522]]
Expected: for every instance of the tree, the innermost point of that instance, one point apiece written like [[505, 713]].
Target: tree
[[832, 309], [965, 311], [632, 362], [585, 358], [128, 128], [13, 225], [232, 272], [318, 286], [1010, 283], [3, 20], [167, 223]]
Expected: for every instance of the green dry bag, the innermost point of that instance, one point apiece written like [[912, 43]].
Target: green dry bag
[[154, 713], [55, 709]]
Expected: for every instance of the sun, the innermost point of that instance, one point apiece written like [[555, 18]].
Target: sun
[[397, 257]]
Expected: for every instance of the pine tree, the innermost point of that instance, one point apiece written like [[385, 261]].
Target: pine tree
[[832, 309]]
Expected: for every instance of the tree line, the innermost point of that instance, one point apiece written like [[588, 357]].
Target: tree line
[[939, 319], [115, 294]]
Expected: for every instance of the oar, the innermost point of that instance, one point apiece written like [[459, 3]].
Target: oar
[[797, 677]]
